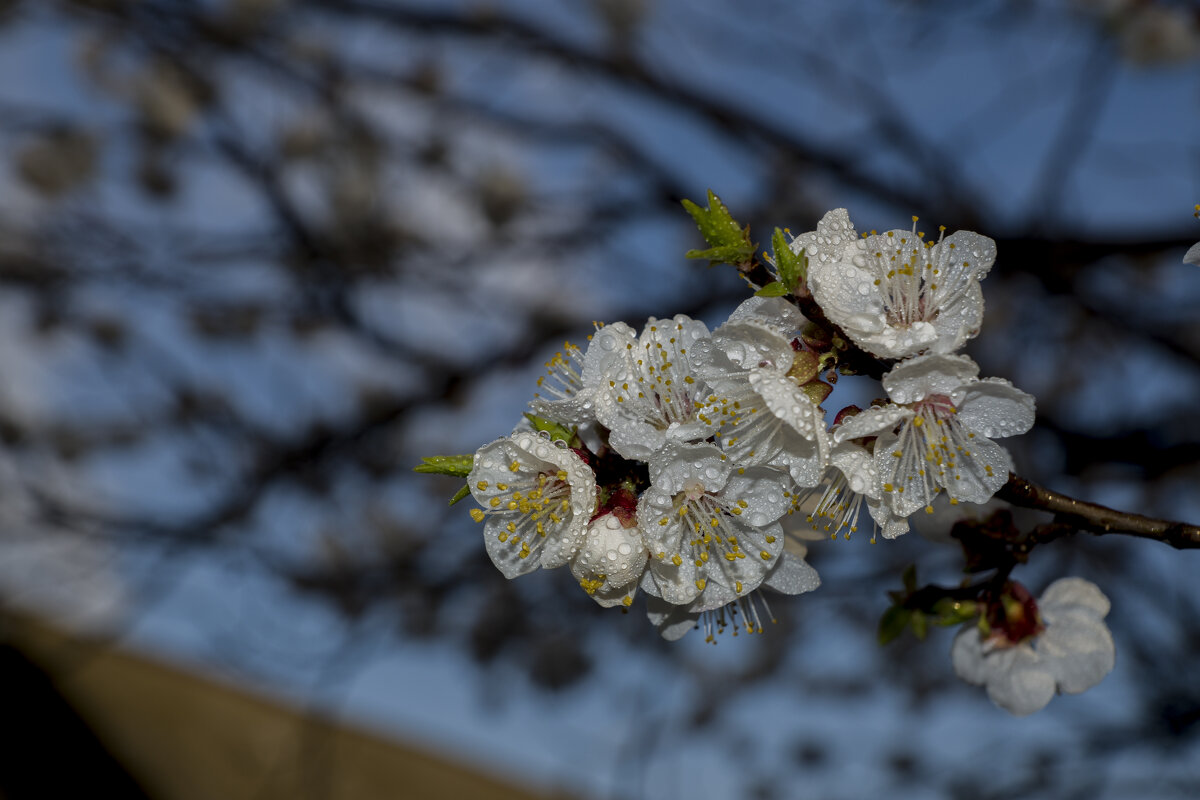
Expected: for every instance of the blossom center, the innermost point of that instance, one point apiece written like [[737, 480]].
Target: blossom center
[[1013, 618]]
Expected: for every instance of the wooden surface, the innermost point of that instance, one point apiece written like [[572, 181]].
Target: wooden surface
[[184, 737]]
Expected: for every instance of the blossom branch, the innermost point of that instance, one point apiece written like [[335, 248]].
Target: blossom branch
[[1071, 515]]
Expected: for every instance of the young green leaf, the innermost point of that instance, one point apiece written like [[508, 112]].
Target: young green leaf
[[458, 466], [728, 242], [460, 494], [727, 254], [920, 624], [556, 431], [772, 289], [792, 268], [949, 611], [893, 622]]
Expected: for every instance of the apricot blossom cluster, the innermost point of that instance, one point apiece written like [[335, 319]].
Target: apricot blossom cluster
[[664, 461]]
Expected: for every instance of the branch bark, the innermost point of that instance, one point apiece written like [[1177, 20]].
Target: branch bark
[[1095, 518]]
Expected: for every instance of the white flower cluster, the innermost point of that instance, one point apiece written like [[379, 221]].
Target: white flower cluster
[[689, 445]]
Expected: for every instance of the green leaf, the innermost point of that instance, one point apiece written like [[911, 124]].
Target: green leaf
[[792, 268], [910, 578], [920, 625], [773, 289], [728, 254], [716, 224], [954, 612], [460, 494], [556, 430], [727, 240], [892, 623], [458, 466]]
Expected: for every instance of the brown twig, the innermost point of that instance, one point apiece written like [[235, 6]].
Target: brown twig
[[1095, 518]]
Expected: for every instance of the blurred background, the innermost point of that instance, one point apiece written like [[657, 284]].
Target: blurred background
[[257, 257]]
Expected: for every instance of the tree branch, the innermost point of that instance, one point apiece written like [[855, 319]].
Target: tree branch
[[1095, 518]]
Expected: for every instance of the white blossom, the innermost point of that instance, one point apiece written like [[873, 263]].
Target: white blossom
[[611, 560], [1071, 651], [712, 528], [895, 294], [1192, 256], [561, 391], [761, 414], [537, 501], [790, 575], [647, 393], [567, 391], [850, 483], [937, 433]]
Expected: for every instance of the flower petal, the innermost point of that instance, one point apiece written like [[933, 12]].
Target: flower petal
[[855, 462], [915, 379], [752, 344], [760, 489], [871, 422], [959, 319], [804, 460], [611, 343], [1067, 592], [890, 525], [1022, 685], [507, 554], [903, 489], [967, 656], [974, 478], [792, 575], [1079, 650], [994, 407], [839, 278], [672, 621], [1192, 256], [774, 312], [786, 401], [676, 465], [963, 255]]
